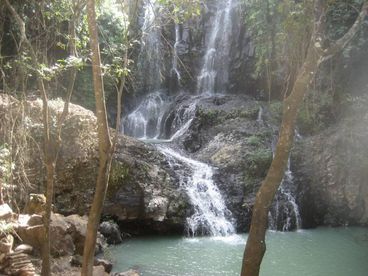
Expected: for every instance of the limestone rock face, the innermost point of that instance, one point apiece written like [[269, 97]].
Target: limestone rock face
[[331, 168], [67, 233], [234, 135], [142, 188]]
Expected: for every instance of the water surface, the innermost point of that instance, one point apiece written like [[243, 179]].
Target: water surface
[[318, 252]]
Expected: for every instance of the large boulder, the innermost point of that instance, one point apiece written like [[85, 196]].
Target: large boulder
[[331, 168], [110, 230], [142, 188], [67, 233]]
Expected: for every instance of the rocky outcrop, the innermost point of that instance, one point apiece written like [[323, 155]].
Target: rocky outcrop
[[233, 134], [110, 230], [331, 168], [67, 233], [142, 189]]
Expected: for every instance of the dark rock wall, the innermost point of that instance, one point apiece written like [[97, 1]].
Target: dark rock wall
[[191, 50]]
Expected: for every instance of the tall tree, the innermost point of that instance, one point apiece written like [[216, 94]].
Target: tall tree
[[316, 55], [105, 145], [52, 143]]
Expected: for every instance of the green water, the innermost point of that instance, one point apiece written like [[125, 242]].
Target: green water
[[319, 252]]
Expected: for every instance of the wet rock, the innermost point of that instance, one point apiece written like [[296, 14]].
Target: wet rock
[[227, 134], [77, 261], [127, 273], [105, 263], [110, 230]]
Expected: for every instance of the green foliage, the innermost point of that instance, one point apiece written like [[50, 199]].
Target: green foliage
[[259, 161], [279, 30], [182, 10], [119, 174], [340, 16], [254, 140], [6, 228], [315, 113], [84, 88]]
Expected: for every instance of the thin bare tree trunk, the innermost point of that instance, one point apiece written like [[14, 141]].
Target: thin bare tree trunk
[[104, 142], [51, 146], [256, 245]]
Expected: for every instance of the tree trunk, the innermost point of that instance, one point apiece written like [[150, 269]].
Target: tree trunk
[[51, 147], [105, 146], [256, 245]]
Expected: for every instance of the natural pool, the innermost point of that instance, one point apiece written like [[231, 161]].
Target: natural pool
[[318, 252]]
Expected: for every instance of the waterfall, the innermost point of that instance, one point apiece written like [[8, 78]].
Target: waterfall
[[175, 73], [145, 121], [210, 212], [214, 74], [284, 214], [150, 58], [260, 114]]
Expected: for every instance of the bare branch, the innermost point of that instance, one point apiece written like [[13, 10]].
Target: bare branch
[[341, 43]]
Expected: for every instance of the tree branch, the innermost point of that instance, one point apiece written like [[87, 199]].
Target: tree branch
[[341, 43]]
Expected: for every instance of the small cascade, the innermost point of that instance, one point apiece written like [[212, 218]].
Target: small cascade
[[214, 73], [150, 58], [211, 217], [260, 114], [183, 118], [175, 73], [210, 213], [145, 121], [284, 214]]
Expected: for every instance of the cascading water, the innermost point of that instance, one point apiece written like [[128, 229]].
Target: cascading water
[[210, 212], [150, 58], [214, 74], [155, 119], [175, 73], [284, 214], [145, 121]]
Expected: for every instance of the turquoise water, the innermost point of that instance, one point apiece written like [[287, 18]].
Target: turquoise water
[[318, 252]]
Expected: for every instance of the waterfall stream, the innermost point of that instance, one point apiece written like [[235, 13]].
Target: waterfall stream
[[284, 214], [161, 120], [149, 59], [214, 73], [210, 213], [175, 69]]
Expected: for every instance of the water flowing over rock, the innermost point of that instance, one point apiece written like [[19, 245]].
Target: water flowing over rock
[[214, 74], [284, 214], [210, 213], [145, 121], [150, 61], [175, 73]]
